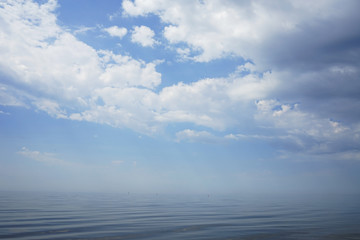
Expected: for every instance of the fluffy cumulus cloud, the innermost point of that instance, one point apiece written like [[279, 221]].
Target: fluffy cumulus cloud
[[115, 31], [144, 36], [217, 103], [311, 49], [299, 84], [262, 31], [46, 67]]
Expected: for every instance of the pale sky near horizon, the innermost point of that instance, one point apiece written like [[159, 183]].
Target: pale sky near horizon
[[180, 96]]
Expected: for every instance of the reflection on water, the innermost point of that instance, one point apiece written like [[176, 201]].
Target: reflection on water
[[117, 216]]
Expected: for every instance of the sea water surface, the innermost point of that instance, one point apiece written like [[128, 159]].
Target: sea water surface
[[30, 215]]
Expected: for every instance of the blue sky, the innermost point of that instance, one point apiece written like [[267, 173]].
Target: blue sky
[[180, 96]]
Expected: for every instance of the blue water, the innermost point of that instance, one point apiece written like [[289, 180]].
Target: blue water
[[134, 216]]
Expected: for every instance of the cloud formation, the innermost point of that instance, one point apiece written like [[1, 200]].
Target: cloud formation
[[299, 82], [144, 36], [196, 136], [43, 157], [115, 31], [256, 30], [312, 48]]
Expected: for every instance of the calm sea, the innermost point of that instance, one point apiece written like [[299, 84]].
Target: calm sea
[[134, 216]]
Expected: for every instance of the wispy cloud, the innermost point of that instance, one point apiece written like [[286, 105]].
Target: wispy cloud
[[44, 157], [83, 30], [197, 136], [117, 162], [5, 113]]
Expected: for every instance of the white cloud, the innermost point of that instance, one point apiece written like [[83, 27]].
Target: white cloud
[[10, 96], [128, 72], [220, 28], [115, 31], [114, 15], [5, 113], [144, 36], [184, 53], [297, 41], [117, 162], [213, 102], [196, 136], [57, 72], [50, 107], [83, 30], [216, 103], [43, 157], [140, 8]]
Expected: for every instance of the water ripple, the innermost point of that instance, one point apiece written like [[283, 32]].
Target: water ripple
[[110, 217]]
